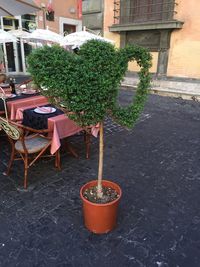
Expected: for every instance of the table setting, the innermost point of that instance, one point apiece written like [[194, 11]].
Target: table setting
[[24, 103], [44, 110], [51, 118], [37, 117], [13, 97], [25, 89]]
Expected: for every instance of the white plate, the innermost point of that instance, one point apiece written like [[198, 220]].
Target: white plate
[[4, 85], [11, 96], [30, 92], [23, 86], [41, 110]]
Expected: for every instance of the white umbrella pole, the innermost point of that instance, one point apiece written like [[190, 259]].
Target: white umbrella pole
[[5, 57], [23, 55], [22, 49]]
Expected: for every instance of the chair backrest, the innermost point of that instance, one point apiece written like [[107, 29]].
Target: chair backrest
[[11, 130]]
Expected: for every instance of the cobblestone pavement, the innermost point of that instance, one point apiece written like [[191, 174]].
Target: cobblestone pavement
[[157, 166]]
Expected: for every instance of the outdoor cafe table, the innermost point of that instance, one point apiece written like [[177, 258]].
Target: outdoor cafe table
[[60, 126], [24, 101], [63, 127]]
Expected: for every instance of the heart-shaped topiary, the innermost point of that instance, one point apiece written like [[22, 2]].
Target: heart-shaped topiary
[[88, 82]]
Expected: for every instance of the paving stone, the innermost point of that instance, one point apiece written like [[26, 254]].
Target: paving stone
[[157, 166]]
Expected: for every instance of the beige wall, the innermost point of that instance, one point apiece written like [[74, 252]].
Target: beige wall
[[184, 53], [184, 56], [61, 8], [108, 21], [134, 67]]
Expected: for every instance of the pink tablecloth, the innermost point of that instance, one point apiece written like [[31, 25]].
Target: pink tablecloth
[[28, 102], [61, 127]]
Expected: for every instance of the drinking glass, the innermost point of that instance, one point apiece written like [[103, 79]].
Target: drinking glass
[[18, 91]]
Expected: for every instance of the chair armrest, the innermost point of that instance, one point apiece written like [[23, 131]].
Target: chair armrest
[[42, 131], [30, 129], [28, 137], [17, 120]]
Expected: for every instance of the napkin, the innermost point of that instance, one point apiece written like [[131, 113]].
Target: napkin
[[45, 109], [10, 95]]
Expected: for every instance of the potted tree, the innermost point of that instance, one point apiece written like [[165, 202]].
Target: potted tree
[[87, 84]]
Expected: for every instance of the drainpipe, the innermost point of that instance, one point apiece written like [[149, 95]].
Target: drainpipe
[[43, 6]]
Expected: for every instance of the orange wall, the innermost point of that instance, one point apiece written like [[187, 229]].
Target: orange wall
[[108, 21], [61, 8], [184, 53], [134, 67]]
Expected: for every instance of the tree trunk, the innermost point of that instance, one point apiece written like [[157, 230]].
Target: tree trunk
[[100, 172]]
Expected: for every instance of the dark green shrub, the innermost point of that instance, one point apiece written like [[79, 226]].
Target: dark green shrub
[[89, 81]]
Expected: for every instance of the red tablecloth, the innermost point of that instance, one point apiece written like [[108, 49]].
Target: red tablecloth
[[60, 127], [29, 102]]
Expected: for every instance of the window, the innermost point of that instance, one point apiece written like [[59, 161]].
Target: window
[[89, 6], [138, 11], [29, 22]]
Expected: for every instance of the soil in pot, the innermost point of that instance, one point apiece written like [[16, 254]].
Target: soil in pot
[[100, 217], [109, 195]]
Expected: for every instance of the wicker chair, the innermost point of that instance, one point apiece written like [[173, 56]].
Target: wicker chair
[[29, 144]]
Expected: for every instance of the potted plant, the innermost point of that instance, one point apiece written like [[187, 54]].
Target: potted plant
[[87, 83]]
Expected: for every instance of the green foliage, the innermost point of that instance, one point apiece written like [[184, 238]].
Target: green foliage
[[88, 82]]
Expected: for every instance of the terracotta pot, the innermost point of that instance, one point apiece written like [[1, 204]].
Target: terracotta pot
[[100, 218]]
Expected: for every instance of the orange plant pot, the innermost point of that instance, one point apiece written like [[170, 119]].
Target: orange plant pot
[[100, 218]]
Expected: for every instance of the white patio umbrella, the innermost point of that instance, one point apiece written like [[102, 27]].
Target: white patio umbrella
[[17, 7], [45, 35], [6, 37], [76, 39], [20, 33]]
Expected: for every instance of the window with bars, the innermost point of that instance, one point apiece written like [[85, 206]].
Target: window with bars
[[89, 6], [138, 11]]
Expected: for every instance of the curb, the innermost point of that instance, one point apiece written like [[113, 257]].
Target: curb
[[190, 91]]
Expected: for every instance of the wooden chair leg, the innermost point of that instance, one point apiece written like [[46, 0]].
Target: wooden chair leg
[[70, 148], [25, 170], [57, 159], [12, 156]]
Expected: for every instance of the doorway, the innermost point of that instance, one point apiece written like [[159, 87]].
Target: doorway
[[67, 29], [67, 26], [15, 53], [10, 50]]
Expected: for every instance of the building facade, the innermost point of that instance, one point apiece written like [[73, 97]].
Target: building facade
[[60, 16], [93, 15], [169, 29]]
